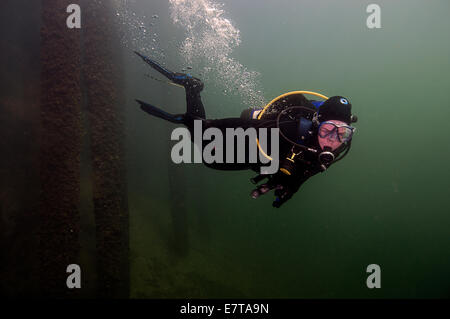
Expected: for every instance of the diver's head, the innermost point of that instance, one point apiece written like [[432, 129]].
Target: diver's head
[[335, 117], [336, 108]]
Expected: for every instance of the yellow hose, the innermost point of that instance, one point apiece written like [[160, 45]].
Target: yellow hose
[[278, 98]]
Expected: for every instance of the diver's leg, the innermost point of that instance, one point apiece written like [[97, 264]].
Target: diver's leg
[[193, 87], [155, 111], [194, 111], [194, 105], [186, 80]]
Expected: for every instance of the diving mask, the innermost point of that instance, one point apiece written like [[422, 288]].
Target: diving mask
[[340, 132]]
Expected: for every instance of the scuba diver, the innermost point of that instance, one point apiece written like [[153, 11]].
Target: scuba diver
[[313, 135]]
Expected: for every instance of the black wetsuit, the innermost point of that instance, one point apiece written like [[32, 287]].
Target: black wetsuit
[[196, 111], [306, 167]]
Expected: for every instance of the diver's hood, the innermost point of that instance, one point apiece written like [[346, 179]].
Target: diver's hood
[[336, 108]]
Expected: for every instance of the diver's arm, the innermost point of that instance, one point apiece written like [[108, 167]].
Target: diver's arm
[[287, 190], [285, 187]]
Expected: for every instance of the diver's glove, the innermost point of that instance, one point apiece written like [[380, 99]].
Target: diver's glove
[[285, 186]]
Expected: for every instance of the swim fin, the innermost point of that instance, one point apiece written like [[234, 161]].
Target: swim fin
[[168, 74], [153, 110], [186, 80]]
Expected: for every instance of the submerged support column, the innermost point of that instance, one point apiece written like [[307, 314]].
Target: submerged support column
[[103, 73], [178, 210], [60, 148]]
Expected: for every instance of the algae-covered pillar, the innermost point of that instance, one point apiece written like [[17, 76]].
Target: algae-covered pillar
[[103, 74], [60, 144], [82, 67], [19, 125]]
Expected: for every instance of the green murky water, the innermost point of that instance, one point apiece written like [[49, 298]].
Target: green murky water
[[196, 232], [386, 203]]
